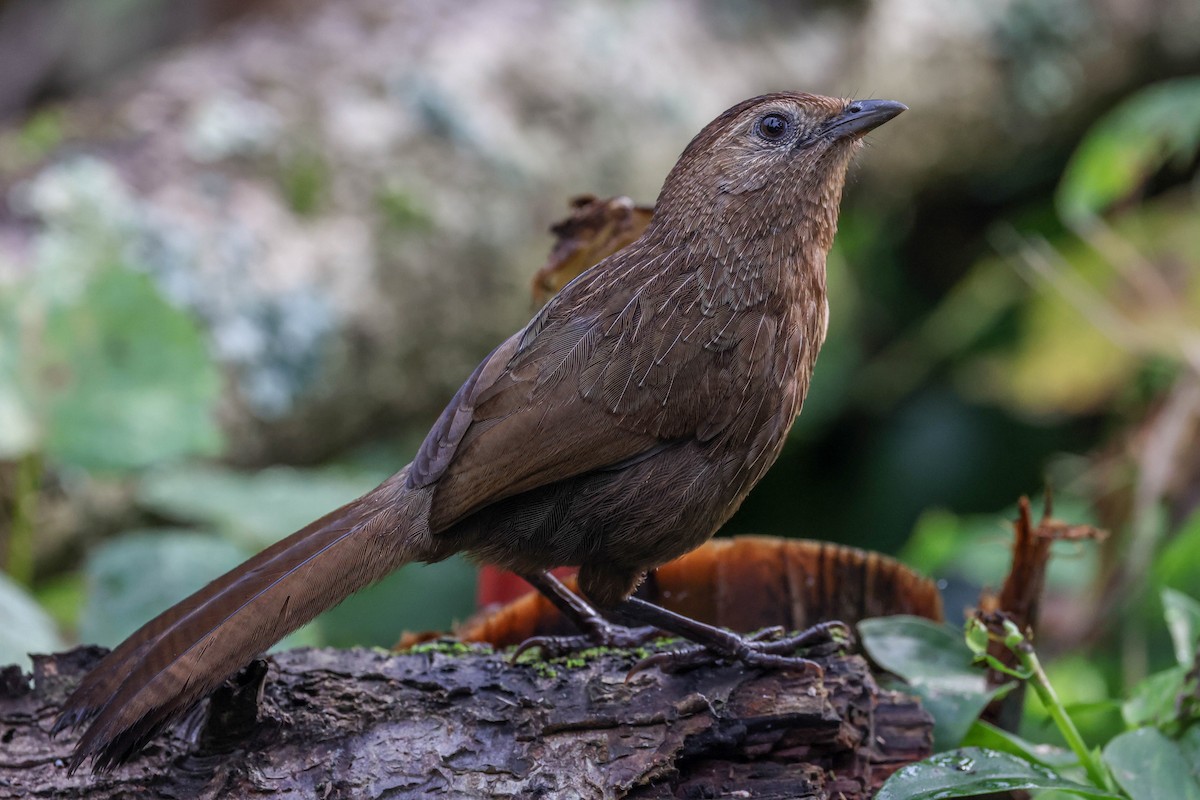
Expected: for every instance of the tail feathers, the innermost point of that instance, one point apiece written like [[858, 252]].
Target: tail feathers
[[186, 652], [102, 682]]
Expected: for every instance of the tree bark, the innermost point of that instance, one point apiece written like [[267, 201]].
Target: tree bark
[[456, 721]]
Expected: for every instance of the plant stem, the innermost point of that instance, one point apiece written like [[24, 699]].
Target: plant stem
[[1045, 692]]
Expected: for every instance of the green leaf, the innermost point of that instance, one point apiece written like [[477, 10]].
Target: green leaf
[[1152, 701], [974, 771], [920, 651], [1178, 563], [936, 664], [1149, 766], [954, 711], [1128, 145], [1183, 621], [984, 734], [1189, 744], [26, 629], [254, 509], [132, 578], [128, 379]]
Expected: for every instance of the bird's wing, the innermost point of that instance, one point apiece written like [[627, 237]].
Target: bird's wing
[[577, 391]]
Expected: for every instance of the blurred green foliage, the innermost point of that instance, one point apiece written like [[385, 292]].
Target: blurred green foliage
[[976, 548], [97, 370], [126, 379], [40, 134], [252, 509], [27, 627], [99, 374], [304, 178], [1177, 565], [1159, 125], [106, 377]]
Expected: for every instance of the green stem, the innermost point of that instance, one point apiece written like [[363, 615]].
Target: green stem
[[1045, 692], [25, 502]]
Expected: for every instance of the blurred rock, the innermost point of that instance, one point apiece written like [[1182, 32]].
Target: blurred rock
[[55, 48], [354, 196]]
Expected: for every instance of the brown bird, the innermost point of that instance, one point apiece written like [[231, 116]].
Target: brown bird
[[617, 430]]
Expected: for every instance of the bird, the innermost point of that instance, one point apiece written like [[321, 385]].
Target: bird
[[620, 428]]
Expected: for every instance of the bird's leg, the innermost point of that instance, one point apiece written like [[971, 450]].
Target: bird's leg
[[763, 649], [756, 651], [597, 631]]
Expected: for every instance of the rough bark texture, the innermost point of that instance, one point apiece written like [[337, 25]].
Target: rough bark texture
[[448, 722]]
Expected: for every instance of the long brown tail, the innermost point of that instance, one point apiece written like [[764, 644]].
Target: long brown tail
[[186, 652]]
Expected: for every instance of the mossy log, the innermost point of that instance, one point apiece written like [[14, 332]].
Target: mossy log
[[451, 720]]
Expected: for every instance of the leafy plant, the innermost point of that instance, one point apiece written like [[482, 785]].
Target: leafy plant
[[1153, 758]]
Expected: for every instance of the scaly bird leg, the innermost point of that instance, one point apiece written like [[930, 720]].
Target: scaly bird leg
[[597, 631], [765, 648], [754, 651]]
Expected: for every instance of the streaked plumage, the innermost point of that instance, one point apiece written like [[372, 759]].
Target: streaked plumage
[[619, 429]]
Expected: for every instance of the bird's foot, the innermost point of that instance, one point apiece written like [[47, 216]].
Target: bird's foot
[[601, 633], [766, 649]]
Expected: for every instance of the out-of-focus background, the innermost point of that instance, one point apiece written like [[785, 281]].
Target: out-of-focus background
[[249, 249]]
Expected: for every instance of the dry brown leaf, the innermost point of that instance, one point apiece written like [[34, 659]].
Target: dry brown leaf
[[595, 230]]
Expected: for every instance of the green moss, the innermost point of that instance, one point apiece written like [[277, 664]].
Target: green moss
[[581, 658], [544, 670], [446, 647]]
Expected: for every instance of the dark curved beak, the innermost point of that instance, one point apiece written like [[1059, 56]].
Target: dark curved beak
[[860, 117]]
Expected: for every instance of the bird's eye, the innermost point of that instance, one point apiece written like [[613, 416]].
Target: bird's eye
[[773, 126]]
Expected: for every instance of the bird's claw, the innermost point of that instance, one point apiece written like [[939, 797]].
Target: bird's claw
[[766, 649], [551, 646], [603, 634]]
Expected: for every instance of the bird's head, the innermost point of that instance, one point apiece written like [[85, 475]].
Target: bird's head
[[770, 162]]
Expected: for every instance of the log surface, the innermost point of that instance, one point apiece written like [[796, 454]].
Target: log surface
[[456, 722]]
